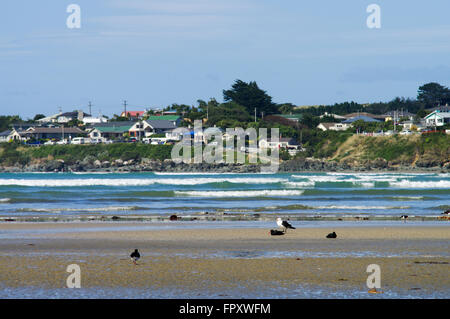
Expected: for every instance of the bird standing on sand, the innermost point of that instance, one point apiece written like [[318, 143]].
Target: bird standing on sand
[[284, 224], [135, 255]]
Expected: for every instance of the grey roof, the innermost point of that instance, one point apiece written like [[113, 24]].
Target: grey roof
[[23, 126], [73, 114], [162, 124], [361, 117], [60, 130], [442, 114], [5, 133]]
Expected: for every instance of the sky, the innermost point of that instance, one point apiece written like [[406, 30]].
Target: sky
[[153, 53]]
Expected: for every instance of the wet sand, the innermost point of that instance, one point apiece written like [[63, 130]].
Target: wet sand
[[413, 259]]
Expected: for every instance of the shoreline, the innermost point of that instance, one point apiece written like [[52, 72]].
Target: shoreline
[[309, 165], [229, 262], [213, 217]]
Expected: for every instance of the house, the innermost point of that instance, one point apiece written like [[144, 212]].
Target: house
[[360, 117], [4, 136], [389, 116], [149, 127], [173, 118], [292, 117], [283, 142], [111, 130], [412, 126], [437, 118], [136, 115], [364, 115], [21, 126], [70, 116], [89, 120], [63, 118], [337, 117], [333, 126], [53, 132], [49, 119]]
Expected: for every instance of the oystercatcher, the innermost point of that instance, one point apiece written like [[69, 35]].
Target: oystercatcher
[[135, 255]]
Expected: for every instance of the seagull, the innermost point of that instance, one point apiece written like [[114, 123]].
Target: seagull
[[135, 255], [284, 224]]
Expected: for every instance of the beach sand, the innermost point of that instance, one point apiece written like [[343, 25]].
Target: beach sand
[[413, 259]]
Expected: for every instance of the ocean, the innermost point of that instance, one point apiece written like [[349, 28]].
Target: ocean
[[333, 195]]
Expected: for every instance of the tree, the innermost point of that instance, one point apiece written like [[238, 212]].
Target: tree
[[433, 94], [38, 117], [310, 121], [286, 108], [250, 96], [229, 111]]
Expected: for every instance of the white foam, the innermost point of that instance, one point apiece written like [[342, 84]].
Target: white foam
[[132, 181], [360, 207], [429, 184], [5, 200], [252, 193], [299, 184], [92, 209]]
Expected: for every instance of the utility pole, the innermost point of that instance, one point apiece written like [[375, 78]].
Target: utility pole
[[255, 114], [90, 108], [125, 108], [395, 121]]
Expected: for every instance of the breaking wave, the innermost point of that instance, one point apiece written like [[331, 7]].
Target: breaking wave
[[132, 181], [250, 193]]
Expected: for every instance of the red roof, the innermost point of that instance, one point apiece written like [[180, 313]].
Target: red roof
[[133, 113]]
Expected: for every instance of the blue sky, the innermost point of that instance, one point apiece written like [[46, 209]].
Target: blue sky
[[157, 52]]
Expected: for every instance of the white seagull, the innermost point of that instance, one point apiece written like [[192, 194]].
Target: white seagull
[[284, 224]]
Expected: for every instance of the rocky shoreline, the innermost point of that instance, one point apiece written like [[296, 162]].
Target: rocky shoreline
[[296, 165]]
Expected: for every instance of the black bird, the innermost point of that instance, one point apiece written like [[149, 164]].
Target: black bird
[[275, 232], [135, 255], [284, 224], [332, 235]]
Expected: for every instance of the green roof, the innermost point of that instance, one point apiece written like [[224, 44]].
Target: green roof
[[164, 117], [113, 129], [291, 116]]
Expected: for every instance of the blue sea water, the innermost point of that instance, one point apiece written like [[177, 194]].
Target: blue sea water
[[323, 194]]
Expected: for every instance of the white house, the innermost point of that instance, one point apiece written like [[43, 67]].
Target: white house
[[437, 118], [94, 120], [283, 142], [333, 126], [337, 117], [12, 135], [150, 127]]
